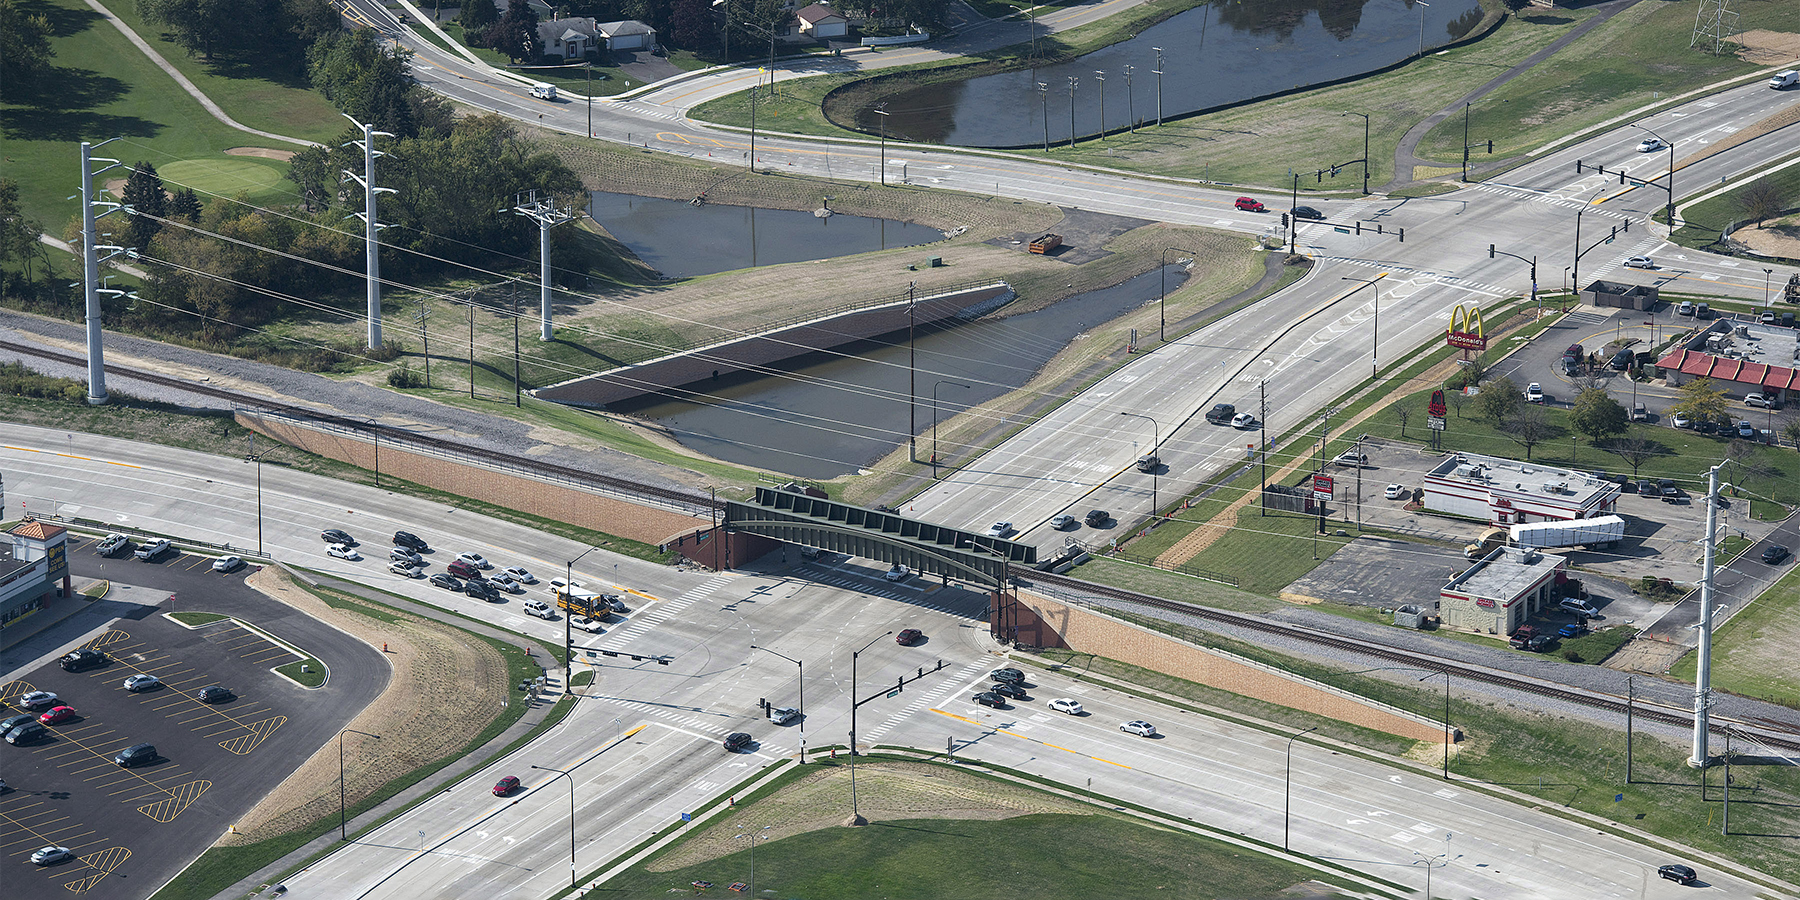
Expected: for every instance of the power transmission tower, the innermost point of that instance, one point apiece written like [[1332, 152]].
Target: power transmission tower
[[1713, 24], [90, 258], [546, 214], [371, 224]]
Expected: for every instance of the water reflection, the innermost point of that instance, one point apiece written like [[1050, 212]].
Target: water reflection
[[681, 240], [1255, 48], [833, 414]]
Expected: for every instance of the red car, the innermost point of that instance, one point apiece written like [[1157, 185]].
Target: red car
[[57, 715], [1248, 204], [908, 637], [505, 785]]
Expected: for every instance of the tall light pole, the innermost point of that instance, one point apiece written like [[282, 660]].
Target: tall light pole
[[343, 819], [1702, 754], [1669, 210], [1365, 159], [1073, 82], [1766, 274], [934, 421], [856, 811], [1431, 862], [1158, 71], [1130, 102], [255, 457], [1374, 342], [1044, 102], [753, 835], [1155, 444], [802, 682], [880, 109], [565, 773], [1422, 6], [1100, 76], [1287, 792], [1162, 304], [568, 611], [1446, 674]]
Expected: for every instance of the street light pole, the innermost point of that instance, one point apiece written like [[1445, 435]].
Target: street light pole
[[1130, 102], [1159, 71], [1073, 82], [343, 819], [255, 457], [881, 110], [1100, 76], [1162, 304], [856, 811], [571, 778], [753, 835], [802, 683], [1155, 445], [1422, 6], [1669, 210], [1446, 674], [934, 421], [1044, 102], [568, 611], [1365, 159], [1288, 791], [1375, 342]]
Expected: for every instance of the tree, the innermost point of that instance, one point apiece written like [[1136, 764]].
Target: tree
[[1791, 431], [1634, 450], [144, 194], [476, 18], [691, 26], [367, 81], [25, 50], [1761, 200], [1528, 427], [516, 34], [1403, 412], [185, 204], [1598, 415], [1499, 400], [1456, 400], [1701, 401]]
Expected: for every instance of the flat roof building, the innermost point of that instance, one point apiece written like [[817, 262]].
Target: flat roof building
[[1744, 357], [1507, 492], [1501, 591]]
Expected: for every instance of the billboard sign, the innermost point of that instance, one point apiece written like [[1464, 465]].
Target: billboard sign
[[1465, 329], [1321, 487]]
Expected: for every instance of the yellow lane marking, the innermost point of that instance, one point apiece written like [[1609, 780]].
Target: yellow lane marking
[[70, 456], [1010, 733]]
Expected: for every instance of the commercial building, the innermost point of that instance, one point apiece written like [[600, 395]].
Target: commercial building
[[1501, 591], [30, 567], [1741, 357], [1507, 492]]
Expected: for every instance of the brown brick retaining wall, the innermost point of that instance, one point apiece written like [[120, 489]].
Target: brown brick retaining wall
[[611, 515], [1087, 631]]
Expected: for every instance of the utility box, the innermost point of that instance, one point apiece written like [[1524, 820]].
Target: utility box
[[934, 262], [1410, 616]]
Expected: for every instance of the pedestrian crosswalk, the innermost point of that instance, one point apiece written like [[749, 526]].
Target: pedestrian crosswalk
[[645, 620], [928, 699], [1520, 193], [1396, 271]]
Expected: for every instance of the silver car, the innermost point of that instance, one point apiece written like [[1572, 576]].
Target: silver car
[[141, 682]]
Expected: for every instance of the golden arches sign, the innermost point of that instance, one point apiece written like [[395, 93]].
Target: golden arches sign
[[1465, 328]]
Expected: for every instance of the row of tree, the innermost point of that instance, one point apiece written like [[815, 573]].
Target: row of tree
[[262, 28]]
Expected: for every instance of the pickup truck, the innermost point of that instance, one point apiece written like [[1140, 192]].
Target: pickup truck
[[153, 549]]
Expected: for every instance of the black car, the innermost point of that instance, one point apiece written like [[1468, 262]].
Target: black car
[[481, 590], [77, 660], [26, 733], [1677, 873], [1537, 643], [214, 694], [615, 603], [1096, 518], [136, 755], [336, 536], [1307, 212], [411, 542], [10, 722], [447, 582], [737, 741], [1007, 676], [989, 698], [1009, 690], [1774, 553]]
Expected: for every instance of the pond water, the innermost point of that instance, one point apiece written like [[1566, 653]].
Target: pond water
[[681, 240], [831, 414], [1216, 54]]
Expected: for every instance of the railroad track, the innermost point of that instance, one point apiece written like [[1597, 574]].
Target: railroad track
[[1769, 733]]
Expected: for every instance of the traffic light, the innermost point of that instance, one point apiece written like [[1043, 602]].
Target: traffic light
[[1320, 177], [1490, 251], [1402, 235], [1621, 176], [1628, 225], [1359, 227], [1578, 167], [1284, 220], [1490, 148]]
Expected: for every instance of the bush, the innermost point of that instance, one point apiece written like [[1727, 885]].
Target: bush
[[403, 376]]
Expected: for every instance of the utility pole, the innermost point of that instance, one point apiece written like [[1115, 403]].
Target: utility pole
[[1158, 71], [1262, 443], [547, 216], [1703, 671], [1130, 102], [912, 377], [1073, 82], [90, 261], [423, 339], [1100, 76], [1044, 102], [371, 224]]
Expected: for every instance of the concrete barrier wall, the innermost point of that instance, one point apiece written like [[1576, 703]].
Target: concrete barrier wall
[[527, 495], [702, 366], [1087, 631]]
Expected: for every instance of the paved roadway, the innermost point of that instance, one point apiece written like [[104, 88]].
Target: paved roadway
[[643, 744]]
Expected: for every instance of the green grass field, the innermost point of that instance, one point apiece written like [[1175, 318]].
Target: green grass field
[[1752, 654], [228, 176]]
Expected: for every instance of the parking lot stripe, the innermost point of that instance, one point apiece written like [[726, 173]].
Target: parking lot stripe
[[102, 863]]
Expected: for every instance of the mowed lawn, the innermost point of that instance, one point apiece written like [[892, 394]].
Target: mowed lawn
[[1024, 858], [1753, 653], [103, 87]]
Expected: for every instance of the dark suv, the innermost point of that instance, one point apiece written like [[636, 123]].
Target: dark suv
[[136, 755], [1221, 413], [1096, 518], [82, 659], [411, 542]]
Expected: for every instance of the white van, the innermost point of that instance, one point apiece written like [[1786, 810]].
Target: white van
[[539, 608], [543, 91], [1785, 79]]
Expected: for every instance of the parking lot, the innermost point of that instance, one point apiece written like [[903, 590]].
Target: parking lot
[[130, 829]]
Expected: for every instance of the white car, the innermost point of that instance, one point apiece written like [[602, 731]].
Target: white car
[[1243, 420], [781, 715], [474, 559], [506, 583], [343, 551], [50, 856], [404, 570], [897, 573], [1580, 608], [1651, 145], [1139, 727], [1759, 400], [999, 529], [1680, 421], [1534, 393], [1351, 458], [1065, 705], [141, 682], [227, 563], [586, 624], [518, 573], [1640, 262], [1397, 491]]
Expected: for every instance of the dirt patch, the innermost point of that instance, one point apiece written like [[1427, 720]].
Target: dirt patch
[[884, 791], [1772, 240], [263, 152], [440, 693], [1768, 48]]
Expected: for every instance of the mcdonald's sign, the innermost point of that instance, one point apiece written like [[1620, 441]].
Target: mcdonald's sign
[[1465, 328]]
